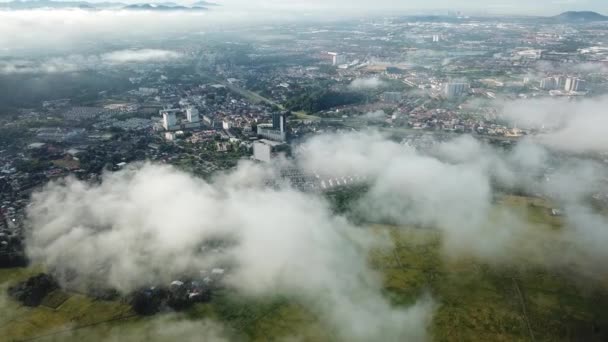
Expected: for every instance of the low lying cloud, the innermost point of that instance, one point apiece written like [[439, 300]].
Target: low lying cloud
[[140, 56], [53, 65], [451, 187], [378, 115], [564, 124], [27, 32], [367, 83], [74, 63], [590, 67], [558, 68], [149, 224]]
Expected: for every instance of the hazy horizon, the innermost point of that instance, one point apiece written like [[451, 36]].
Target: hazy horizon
[[516, 7]]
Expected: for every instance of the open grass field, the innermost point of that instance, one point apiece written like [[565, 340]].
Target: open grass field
[[302, 115], [476, 302]]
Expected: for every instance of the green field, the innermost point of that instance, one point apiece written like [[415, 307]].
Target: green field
[[477, 302], [302, 115]]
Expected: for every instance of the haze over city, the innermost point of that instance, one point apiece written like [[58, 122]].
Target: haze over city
[[303, 170]]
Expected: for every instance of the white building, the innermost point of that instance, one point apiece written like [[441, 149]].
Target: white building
[[530, 54], [169, 119], [574, 84], [560, 82], [192, 115], [580, 85], [337, 59], [170, 136], [268, 132], [278, 122], [452, 90], [148, 91], [547, 83], [226, 124], [264, 150]]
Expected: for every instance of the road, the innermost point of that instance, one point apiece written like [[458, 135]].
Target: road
[[405, 131], [253, 96]]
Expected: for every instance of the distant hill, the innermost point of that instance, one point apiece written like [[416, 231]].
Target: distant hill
[[204, 4], [156, 7], [582, 16], [168, 4]]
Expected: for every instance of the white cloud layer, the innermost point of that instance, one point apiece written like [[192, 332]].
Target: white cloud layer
[[26, 30], [140, 56], [73, 63], [568, 125], [451, 188], [147, 225], [150, 223], [367, 83]]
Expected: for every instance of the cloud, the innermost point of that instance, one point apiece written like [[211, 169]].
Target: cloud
[[407, 187], [378, 115], [52, 65], [150, 224], [140, 56], [72, 63], [559, 68], [367, 83], [27, 32], [590, 67], [42, 31], [451, 187], [567, 125]]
